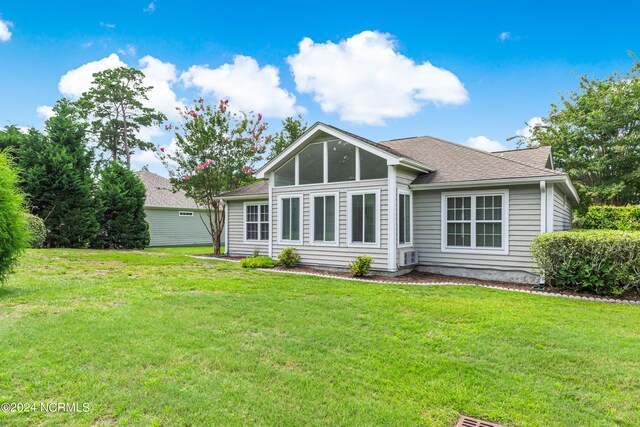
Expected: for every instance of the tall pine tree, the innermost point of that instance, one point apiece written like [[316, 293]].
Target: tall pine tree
[[120, 199], [57, 178]]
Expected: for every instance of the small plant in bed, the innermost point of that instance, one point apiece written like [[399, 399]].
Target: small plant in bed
[[257, 262], [288, 258], [361, 265]]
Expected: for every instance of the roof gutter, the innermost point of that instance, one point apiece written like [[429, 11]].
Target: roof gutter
[[561, 179], [411, 164], [246, 197]]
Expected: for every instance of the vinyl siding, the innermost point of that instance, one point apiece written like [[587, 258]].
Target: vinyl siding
[[237, 245], [562, 217], [167, 228], [333, 256], [524, 225], [404, 177]]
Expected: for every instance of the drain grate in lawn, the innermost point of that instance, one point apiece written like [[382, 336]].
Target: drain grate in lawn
[[465, 421]]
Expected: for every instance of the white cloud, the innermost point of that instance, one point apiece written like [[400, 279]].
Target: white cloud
[[150, 8], [246, 85], [107, 25], [5, 32], [128, 50], [149, 157], [530, 124], [162, 76], [504, 36], [365, 80], [45, 111], [24, 130], [77, 81], [485, 144]]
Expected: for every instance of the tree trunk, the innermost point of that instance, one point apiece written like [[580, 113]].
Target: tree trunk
[[125, 138]]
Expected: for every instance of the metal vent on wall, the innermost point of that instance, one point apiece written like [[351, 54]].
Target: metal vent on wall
[[410, 258], [472, 422]]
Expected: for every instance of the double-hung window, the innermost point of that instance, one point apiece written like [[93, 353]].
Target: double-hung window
[[363, 217], [324, 221], [404, 218], [475, 222], [256, 221], [290, 218]]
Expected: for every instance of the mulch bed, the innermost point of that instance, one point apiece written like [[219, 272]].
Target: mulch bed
[[419, 277]]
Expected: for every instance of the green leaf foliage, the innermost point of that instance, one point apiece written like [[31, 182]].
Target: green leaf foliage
[[292, 129], [37, 231], [605, 262], [58, 179], [115, 108], [361, 265], [258, 262], [594, 133], [625, 218], [14, 234], [217, 150], [120, 199], [288, 257]]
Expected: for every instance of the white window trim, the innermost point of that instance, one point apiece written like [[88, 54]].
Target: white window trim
[[312, 216], [290, 196], [504, 250], [408, 244], [244, 222], [350, 243], [185, 213], [325, 166]]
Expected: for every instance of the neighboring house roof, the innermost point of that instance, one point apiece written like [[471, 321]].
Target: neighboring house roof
[[160, 193], [455, 163], [260, 188], [540, 156]]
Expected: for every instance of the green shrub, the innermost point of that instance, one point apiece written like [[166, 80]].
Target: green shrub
[[625, 218], [361, 266], [605, 262], [37, 231], [14, 233], [120, 198], [257, 262], [288, 257]]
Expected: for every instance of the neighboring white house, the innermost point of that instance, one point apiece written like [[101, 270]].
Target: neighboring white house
[[174, 219], [418, 202]]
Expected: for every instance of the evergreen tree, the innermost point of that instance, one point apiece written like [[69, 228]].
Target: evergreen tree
[[57, 178], [120, 198]]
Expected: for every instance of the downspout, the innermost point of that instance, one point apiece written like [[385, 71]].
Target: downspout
[[392, 222], [271, 215]]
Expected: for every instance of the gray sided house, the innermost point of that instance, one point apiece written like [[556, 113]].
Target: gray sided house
[[419, 202], [174, 219]]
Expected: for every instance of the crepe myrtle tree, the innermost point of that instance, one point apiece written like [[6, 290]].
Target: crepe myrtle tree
[[216, 150]]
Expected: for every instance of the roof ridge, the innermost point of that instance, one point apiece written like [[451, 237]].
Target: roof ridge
[[487, 153], [520, 149]]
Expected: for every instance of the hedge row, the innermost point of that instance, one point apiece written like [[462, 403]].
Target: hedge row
[[612, 218], [605, 262]]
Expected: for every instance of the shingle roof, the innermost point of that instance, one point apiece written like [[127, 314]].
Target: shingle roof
[[260, 188], [454, 162], [160, 193], [539, 156]]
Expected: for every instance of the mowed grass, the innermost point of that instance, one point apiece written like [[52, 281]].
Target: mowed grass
[[158, 338]]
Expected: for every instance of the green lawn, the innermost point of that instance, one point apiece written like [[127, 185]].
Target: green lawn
[[158, 338]]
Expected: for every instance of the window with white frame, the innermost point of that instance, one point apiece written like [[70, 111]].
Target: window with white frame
[[324, 218], [475, 221], [291, 218], [363, 217], [404, 218], [330, 161], [256, 221]]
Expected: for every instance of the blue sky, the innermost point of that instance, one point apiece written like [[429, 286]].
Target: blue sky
[[494, 65]]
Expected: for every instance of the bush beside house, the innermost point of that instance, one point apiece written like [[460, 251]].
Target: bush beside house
[[120, 199], [612, 218], [605, 262]]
